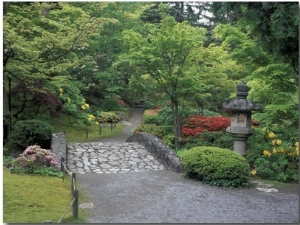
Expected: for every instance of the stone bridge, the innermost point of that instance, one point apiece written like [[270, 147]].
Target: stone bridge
[[141, 152]]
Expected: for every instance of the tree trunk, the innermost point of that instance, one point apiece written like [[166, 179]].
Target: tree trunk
[[176, 121], [5, 7], [6, 115], [6, 104]]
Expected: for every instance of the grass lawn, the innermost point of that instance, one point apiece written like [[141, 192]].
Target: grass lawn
[[36, 199], [77, 133]]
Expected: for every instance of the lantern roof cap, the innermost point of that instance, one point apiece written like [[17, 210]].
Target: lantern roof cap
[[244, 105], [242, 90], [241, 103]]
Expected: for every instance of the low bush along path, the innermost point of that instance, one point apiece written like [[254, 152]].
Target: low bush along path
[[161, 196]]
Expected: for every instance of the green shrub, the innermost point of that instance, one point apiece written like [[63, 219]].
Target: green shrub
[[165, 116], [207, 112], [31, 132], [159, 131], [169, 140], [215, 139], [150, 119], [216, 166], [110, 105], [108, 117], [274, 155]]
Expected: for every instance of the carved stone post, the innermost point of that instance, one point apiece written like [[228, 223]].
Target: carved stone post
[[240, 109]]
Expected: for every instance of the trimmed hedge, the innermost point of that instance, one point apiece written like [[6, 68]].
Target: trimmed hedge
[[32, 132], [216, 166]]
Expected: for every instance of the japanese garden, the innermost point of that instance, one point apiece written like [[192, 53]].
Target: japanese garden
[[81, 68]]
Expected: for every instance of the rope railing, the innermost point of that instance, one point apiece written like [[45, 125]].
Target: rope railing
[[65, 167], [74, 191], [67, 210]]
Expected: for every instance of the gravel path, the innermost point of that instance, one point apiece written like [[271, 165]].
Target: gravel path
[[167, 197]]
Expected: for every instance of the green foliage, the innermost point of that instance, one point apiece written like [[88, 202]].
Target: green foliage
[[268, 22], [150, 119], [215, 139], [42, 171], [108, 117], [274, 153], [263, 167], [33, 55], [110, 105], [150, 116], [165, 116], [216, 166], [271, 79], [31, 132], [159, 131]]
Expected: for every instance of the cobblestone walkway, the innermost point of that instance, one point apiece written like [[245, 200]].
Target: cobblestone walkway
[[105, 157]]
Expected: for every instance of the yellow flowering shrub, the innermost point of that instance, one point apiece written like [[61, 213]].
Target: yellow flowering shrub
[[274, 155], [271, 135]]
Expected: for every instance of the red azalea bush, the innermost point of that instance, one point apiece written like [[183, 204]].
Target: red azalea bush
[[194, 125]]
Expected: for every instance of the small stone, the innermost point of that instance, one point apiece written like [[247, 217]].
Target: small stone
[[102, 160], [267, 189], [105, 166], [161, 167], [150, 157], [113, 158], [76, 159], [86, 163], [86, 206], [114, 163], [79, 164]]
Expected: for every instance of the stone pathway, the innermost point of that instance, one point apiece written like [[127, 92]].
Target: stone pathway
[[105, 157]]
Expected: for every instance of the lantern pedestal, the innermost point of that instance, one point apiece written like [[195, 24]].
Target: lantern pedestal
[[240, 109], [240, 143]]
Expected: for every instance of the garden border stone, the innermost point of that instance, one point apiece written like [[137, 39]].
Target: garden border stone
[[59, 146], [163, 153]]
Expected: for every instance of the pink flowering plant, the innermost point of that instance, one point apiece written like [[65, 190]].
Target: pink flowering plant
[[36, 160]]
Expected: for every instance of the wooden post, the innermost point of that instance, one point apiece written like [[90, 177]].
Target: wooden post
[[100, 128], [62, 159], [75, 204], [111, 126], [73, 182]]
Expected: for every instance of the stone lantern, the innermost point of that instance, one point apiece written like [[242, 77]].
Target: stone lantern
[[240, 109]]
